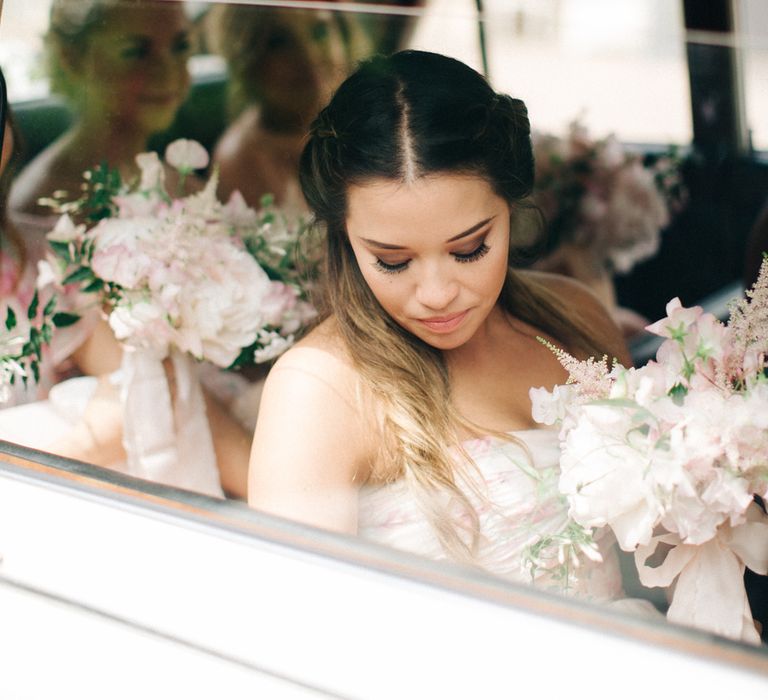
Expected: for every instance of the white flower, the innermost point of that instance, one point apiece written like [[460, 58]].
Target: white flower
[[237, 213], [604, 469], [121, 265], [152, 172], [65, 230], [142, 324], [46, 274], [274, 345], [551, 407], [186, 155]]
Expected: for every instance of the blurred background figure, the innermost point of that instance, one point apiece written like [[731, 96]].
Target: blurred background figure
[[283, 65], [604, 210], [122, 66], [87, 347], [757, 247]]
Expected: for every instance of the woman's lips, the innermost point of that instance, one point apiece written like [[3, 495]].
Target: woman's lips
[[444, 324]]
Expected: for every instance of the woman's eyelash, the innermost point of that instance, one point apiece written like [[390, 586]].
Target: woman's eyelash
[[476, 254], [390, 268], [394, 268]]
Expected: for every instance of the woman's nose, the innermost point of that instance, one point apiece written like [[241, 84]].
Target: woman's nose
[[437, 289], [167, 68]]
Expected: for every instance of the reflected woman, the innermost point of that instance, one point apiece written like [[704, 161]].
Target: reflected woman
[[283, 65], [123, 67], [405, 415], [87, 347]]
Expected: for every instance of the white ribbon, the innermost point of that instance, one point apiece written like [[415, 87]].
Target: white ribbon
[[167, 441], [709, 593]]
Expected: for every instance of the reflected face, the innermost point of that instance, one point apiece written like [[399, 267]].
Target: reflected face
[[434, 252], [134, 67], [303, 60]]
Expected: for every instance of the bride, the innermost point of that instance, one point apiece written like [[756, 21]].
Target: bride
[[404, 416]]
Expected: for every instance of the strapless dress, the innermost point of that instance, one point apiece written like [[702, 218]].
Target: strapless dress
[[519, 503]]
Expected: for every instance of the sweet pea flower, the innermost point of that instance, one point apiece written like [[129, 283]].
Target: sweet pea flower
[[186, 155], [677, 321], [550, 407], [603, 475]]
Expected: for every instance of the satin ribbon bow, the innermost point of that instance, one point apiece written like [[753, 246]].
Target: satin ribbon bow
[[167, 439], [709, 593]]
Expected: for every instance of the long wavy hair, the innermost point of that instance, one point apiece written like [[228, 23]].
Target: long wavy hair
[[399, 118]]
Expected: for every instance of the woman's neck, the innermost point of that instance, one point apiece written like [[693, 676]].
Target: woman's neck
[[485, 344], [94, 142]]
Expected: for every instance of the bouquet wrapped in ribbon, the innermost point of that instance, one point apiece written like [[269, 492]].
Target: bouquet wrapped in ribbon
[[179, 279], [673, 457]]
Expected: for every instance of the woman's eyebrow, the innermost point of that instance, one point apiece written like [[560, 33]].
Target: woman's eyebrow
[[458, 236]]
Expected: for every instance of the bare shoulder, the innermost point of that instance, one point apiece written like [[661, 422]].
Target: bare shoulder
[[314, 388], [311, 448], [584, 306], [568, 289], [321, 354]]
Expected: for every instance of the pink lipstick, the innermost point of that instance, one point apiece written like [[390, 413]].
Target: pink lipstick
[[444, 324]]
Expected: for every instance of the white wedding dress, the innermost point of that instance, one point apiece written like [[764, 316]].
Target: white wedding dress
[[520, 504]]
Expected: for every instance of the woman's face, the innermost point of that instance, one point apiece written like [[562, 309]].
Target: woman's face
[[133, 70], [434, 252], [302, 61]]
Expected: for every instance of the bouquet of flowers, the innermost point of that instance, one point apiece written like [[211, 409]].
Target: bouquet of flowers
[[673, 457], [214, 280], [602, 198], [180, 279]]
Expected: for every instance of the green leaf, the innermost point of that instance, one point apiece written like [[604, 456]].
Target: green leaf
[[63, 319], [95, 286], [61, 248], [32, 310], [50, 307], [678, 393], [10, 319], [82, 273]]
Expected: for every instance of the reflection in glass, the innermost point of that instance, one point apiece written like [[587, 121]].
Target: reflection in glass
[[549, 57], [123, 69], [283, 65]]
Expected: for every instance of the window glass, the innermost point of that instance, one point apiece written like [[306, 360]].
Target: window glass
[[568, 58], [616, 67], [752, 20]]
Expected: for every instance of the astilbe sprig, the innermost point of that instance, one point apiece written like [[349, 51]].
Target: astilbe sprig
[[748, 331], [591, 376]]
